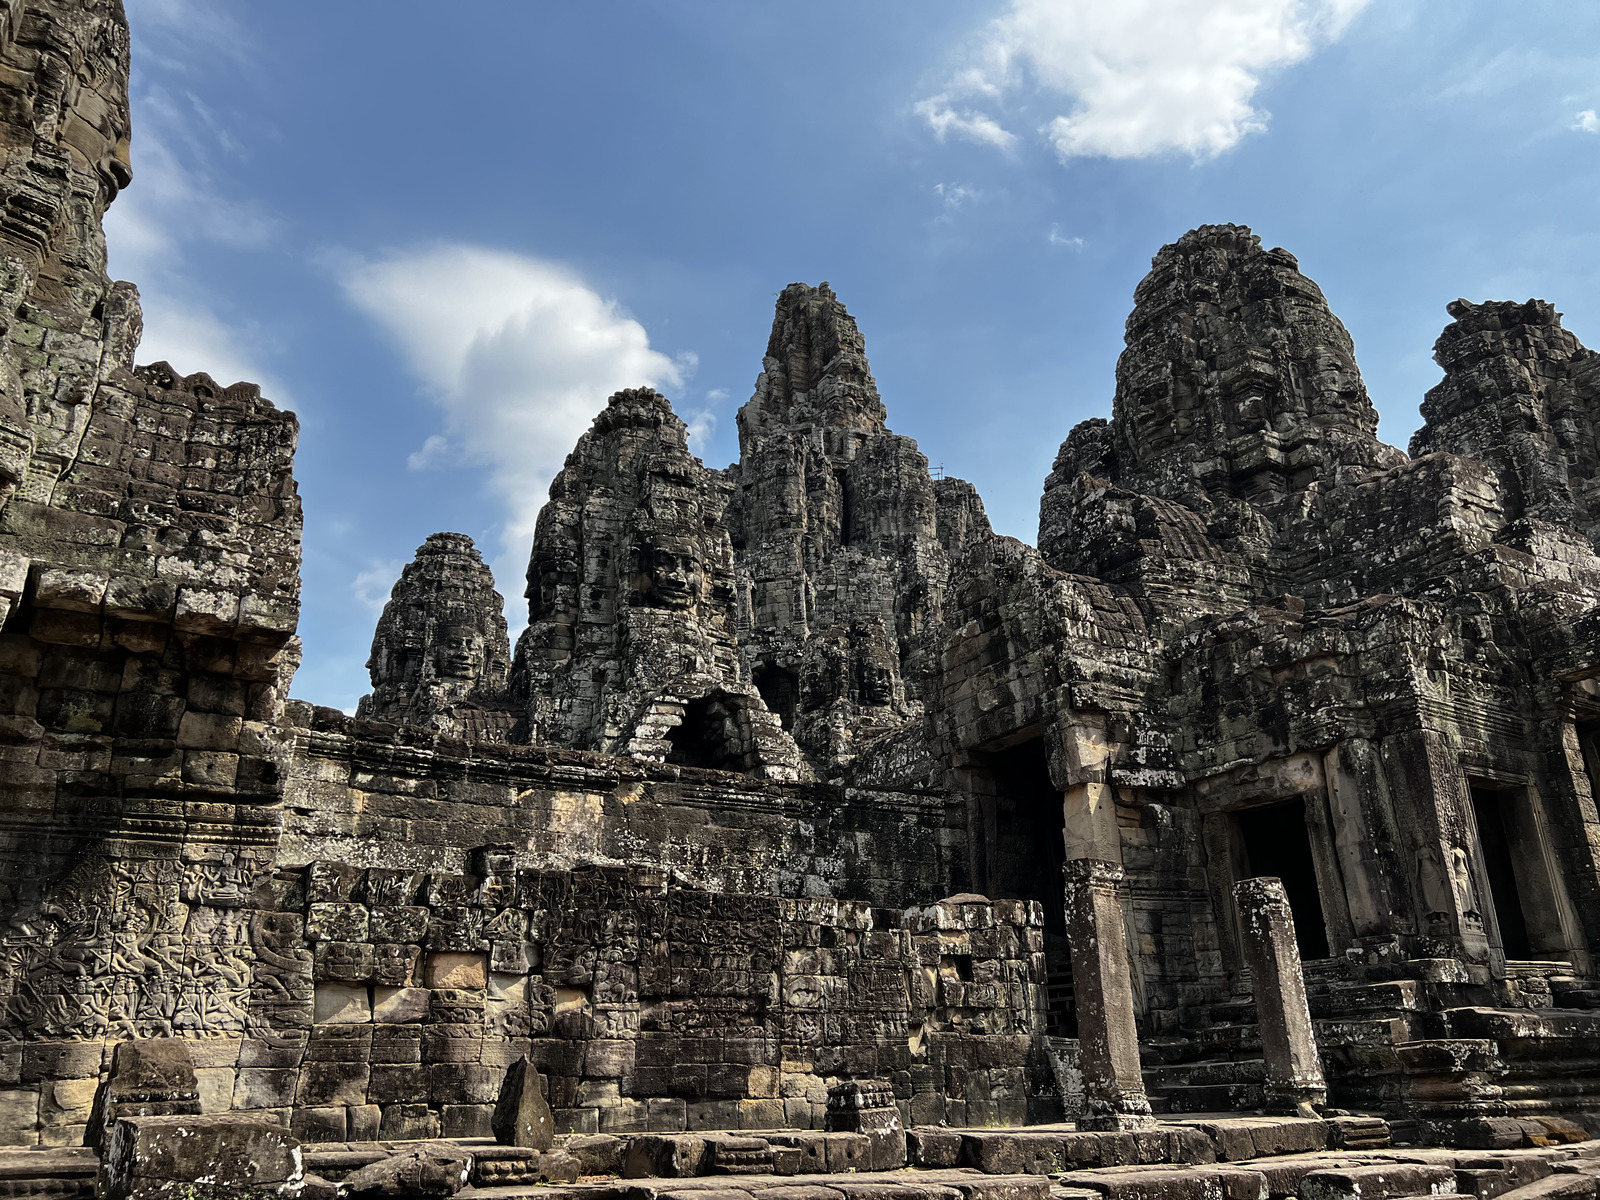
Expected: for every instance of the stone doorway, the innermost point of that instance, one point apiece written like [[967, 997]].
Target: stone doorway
[[1273, 840], [1027, 850], [1517, 868]]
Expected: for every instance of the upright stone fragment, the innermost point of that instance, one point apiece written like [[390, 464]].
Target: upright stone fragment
[[522, 1115], [867, 1106], [1294, 1083], [440, 655], [1113, 1086]]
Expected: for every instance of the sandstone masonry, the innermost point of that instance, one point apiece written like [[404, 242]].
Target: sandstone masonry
[[805, 804]]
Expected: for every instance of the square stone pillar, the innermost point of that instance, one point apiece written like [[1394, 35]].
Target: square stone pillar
[[1108, 1041], [1288, 1043]]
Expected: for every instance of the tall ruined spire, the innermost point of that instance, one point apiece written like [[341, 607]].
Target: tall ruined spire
[[814, 375]]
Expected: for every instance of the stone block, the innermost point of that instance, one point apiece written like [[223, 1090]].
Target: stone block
[[326, 1124], [396, 1044], [215, 1085], [146, 1156], [341, 1004], [665, 1115], [626, 1116], [1380, 1181], [761, 1114], [362, 1122], [670, 1156], [19, 1117], [264, 1087], [400, 1005], [408, 1122], [450, 969], [328, 1083], [933, 1148], [582, 1122], [466, 1120], [599, 1154]]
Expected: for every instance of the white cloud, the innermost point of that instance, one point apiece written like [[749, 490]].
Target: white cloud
[[374, 582], [173, 207], [1056, 238], [435, 452], [1146, 77], [968, 123], [955, 195], [519, 354], [1587, 122]]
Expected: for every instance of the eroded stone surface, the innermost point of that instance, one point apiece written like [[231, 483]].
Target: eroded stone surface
[[781, 790], [440, 657]]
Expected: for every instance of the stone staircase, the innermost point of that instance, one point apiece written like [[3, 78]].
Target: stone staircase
[[1218, 1068]]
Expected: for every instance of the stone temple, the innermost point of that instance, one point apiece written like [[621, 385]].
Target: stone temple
[[1239, 841]]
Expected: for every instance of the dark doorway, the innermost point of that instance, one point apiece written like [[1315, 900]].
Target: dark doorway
[[780, 691], [1275, 842], [1496, 839], [704, 738], [1026, 859]]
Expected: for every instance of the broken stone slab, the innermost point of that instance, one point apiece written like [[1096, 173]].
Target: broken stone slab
[[933, 1147], [598, 1154], [150, 1077], [432, 1169], [664, 1155], [167, 1156], [522, 1115], [507, 1166], [1554, 1187], [1379, 1181], [1149, 1183]]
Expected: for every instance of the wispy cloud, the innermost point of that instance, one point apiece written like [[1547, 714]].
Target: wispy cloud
[[374, 582], [1056, 238], [519, 354], [944, 119], [957, 195], [1145, 77], [177, 204], [1586, 122]]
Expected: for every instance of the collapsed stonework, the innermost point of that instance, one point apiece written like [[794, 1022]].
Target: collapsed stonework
[[805, 802]]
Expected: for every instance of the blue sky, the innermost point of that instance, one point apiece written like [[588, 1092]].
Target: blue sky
[[444, 234]]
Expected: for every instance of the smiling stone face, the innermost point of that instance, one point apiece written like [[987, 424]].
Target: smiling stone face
[[666, 571], [458, 652]]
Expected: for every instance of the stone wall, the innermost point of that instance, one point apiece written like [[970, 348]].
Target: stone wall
[[371, 794]]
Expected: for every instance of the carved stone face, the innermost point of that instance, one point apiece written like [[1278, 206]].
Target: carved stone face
[[666, 572], [458, 654], [874, 683]]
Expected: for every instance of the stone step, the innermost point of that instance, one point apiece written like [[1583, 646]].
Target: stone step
[[1198, 1074], [1344, 1000], [1379, 1181], [868, 1185], [1228, 1041], [1212, 1098]]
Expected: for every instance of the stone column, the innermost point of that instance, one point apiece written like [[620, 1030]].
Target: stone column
[[1108, 1042], [1288, 1043]]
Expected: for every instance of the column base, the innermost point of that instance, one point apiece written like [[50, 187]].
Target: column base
[[1131, 1112], [1294, 1102], [1115, 1122]]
